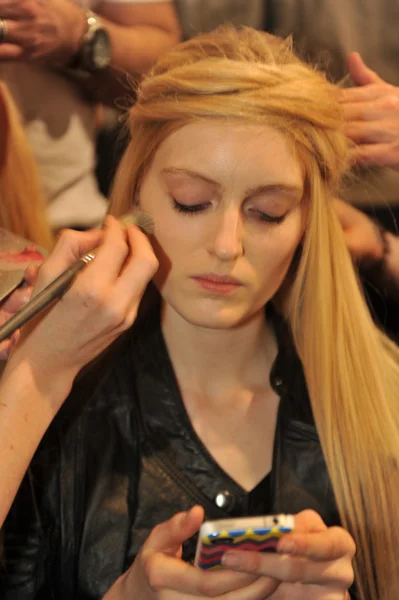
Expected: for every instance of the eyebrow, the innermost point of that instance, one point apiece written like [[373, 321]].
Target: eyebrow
[[280, 188], [193, 174]]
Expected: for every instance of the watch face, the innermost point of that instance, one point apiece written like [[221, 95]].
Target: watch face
[[101, 50]]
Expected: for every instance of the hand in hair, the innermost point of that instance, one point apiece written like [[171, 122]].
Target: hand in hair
[[159, 573], [314, 563], [13, 303], [372, 116]]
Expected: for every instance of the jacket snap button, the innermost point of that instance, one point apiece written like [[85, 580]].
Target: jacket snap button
[[222, 499]]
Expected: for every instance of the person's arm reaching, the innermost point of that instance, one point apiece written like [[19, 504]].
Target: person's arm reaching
[[51, 32], [100, 305]]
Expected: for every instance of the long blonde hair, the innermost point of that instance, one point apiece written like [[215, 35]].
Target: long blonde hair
[[22, 206], [351, 368]]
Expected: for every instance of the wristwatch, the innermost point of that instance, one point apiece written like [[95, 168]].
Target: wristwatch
[[94, 54]]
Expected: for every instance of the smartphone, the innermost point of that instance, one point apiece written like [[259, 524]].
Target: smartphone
[[257, 534]]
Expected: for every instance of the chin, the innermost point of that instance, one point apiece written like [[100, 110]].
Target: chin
[[215, 318]]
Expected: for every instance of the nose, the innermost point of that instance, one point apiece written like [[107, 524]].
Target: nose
[[226, 242]]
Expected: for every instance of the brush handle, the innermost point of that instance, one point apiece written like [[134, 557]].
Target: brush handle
[[44, 298]]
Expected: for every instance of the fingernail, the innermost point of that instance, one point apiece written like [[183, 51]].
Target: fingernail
[[231, 560], [286, 547]]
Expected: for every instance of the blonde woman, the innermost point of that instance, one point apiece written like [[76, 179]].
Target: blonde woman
[[253, 380]]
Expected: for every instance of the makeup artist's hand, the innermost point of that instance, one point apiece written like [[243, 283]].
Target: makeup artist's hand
[[313, 563], [101, 304], [158, 573], [371, 113], [12, 304]]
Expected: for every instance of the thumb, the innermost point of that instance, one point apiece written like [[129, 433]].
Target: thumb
[[169, 536], [360, 72]]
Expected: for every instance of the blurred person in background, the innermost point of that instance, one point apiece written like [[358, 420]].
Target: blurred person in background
[[60, 60], [326, 33], [198, 16]]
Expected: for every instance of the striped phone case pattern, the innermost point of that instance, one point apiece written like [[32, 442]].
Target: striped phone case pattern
[[214, 545]]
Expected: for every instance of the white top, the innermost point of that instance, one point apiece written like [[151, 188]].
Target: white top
[[60, 125]]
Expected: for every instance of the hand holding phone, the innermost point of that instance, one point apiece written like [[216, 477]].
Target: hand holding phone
[[257, 534]]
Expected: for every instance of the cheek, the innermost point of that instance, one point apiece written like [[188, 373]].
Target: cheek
[[179, 237]]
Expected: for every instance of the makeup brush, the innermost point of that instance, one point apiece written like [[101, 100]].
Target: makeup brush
[[62, 283]]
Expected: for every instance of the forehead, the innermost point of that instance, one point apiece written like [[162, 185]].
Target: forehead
[[231, 150]]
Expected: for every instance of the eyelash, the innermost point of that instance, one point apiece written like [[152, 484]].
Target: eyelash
[[186, 209], [192, 209]]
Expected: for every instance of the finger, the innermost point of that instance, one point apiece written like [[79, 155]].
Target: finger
[[138, 270], [169, 536], [11, 52], [360, 72], [309, 521], [372, 132], [332, 544], [383, 155], [70, 246], [365, 111], [15, 301], [168, 572], [17, 10], [292, 569], [367, 93], [31, 273], [110, 256]]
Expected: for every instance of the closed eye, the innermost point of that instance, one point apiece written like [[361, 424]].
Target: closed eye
[[189, 209], [262, 216]]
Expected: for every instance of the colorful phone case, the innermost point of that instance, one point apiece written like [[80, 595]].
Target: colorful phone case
[[259, 534]]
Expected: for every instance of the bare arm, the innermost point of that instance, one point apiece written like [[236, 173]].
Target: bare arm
[[139, 34], [100, 305], [50, 32]]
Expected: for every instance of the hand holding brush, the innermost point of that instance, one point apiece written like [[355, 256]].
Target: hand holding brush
[[62, 283]]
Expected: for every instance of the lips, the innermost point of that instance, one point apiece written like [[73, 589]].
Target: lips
[[217, 284], [218, 279]]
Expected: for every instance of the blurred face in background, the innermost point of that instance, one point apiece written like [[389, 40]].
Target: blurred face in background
[[226, 199]]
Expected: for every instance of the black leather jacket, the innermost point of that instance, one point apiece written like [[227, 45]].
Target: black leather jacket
[[122, 456]]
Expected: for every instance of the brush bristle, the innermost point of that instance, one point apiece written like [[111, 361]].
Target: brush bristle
[[141, 219]]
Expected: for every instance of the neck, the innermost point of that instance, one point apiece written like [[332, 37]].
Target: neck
[[217, 362]]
